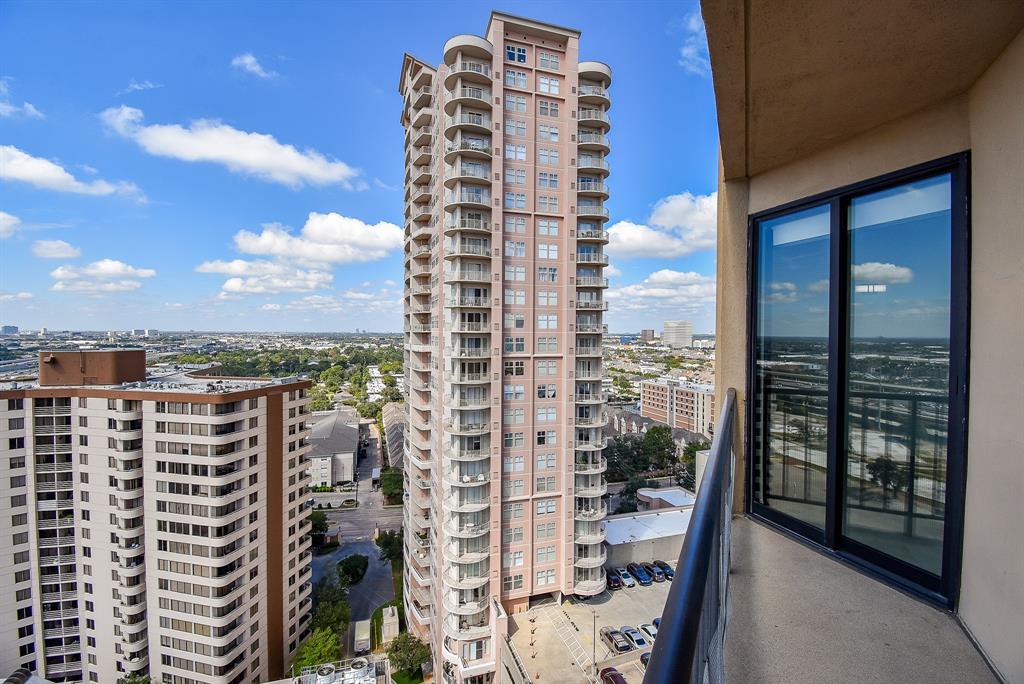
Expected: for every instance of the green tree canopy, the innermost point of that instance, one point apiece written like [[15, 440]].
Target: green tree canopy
[[391, 483], [390, 544], [406, 652], [318, 522], [322, 646]]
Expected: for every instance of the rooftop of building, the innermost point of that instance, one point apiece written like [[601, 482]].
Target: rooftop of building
[[633, 527], [333, 434], [679, 382], [673, 496]]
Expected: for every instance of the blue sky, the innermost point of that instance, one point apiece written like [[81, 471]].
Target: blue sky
[[220, 166]]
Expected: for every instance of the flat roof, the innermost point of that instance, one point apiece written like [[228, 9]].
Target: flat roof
[[163, 380], [675, 496], [648, 525]]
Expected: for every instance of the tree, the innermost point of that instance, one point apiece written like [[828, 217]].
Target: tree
[[659, 448], [628, 502], [407, 653], [391, 483], [352, 568], [134, 679], [623, 457], [318, 522], [330, 605], [390, 544], [687, 477], [322, 646], [889, 474]]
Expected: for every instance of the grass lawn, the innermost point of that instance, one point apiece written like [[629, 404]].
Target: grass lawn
[[407, 677]]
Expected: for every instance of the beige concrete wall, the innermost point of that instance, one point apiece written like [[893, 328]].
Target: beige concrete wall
[[992, 582], [989, 121]]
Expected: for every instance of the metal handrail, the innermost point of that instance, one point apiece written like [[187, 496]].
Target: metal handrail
[[690, 647]]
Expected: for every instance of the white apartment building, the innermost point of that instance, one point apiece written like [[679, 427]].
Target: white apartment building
[[156, 526], [678, 334], [506, 145]]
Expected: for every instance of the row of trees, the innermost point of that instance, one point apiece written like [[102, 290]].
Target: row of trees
[[636, 459]]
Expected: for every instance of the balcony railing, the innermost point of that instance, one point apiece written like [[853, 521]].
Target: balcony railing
[[690, 647]]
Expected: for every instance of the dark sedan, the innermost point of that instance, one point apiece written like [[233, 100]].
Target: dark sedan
[[642, 576], [610, 675], [614, 582], [654, 571], [665, 568]]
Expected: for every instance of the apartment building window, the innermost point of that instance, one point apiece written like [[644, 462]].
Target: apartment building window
[[548, 84], [515, 127], [546, 203], [515, 152], [547, 156], [512, 559], [19, 404], [547, 274], [548, 227], [515, 296], [548, 61], [513, 272], [514, 392], [514, 464], [547, 108], [546, 132], [515, 103], [515, 224], [515, 54], [546, 438], [515, 248], [546, 506], [547, 297], [546, 414], [512, 535], [16, 443], [547, 322], [547, 251], [545, 461], [547, 368], [512, 511], [513, 368], [546, 530], [545, 554], [511, 582], [546, 391], [515, 344], [16, 462], [512, 487], [511, 440], [516, 79], [515, 200], [515, 176], [547, 179], [515, 321], [547, 344], [874, 277]]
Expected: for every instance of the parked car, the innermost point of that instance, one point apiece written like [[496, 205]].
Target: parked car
[[627, 579], [644, 659], [649, 631], [654, 571], [665, 568], [614, 640], [641, 575], [614, 581], [610, 675], [634, 637], [657, 622]]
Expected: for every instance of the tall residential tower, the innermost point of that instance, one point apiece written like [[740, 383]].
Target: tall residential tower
[[506, 145]]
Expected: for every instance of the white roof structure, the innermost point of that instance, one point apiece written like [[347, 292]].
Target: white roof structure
[[647, 525], [673, 496]]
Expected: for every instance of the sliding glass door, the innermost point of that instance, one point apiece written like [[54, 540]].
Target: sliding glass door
[[858, 371]]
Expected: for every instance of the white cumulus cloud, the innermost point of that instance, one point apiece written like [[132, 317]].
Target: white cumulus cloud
[[693, 55], [678, 225], [666, 290], [265, 277], [876, 272], [17, 165], [8, 224], [103, 276], [253, 154], [14, 296], [248, 63], [325, 238], [55, 249]]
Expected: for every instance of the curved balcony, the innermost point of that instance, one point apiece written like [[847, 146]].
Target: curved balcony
[[470, 148], [592, 258], [591, 561], [468, 302], [465, 480], [594, 95], [593, 140], [462, 172], [421, 212], [466, 45], [459, 377], [466, 454], [467, 353], [421, 232], [421, 96], [589, 513], [590, 235], [468, 327], [593, 165], [420, 175], [458, 556], [464, 631], [593, 211], [595, 71], [590, 587], [457, 428], [453, 605], [592, 188], [591, 281], [467, 96], [467, 276], [467, 403], [453, 529], [420, 155], [469, 71], [592, 305], [590, 537], [591, 328], [591, 397], [463, 197], [420, 136], [591, 491], [591, 444], [469, 121], [594, 117], [590, 467], [600, 420], [456, 581], [456, 505], [459, 223]]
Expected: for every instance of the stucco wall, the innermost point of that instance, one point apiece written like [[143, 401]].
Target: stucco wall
[[989, 121]]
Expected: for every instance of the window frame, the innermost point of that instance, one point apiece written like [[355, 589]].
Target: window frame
[[944, 589]]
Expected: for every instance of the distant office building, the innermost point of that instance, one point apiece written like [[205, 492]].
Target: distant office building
[[679, 404], [678, 334], [647, 335], [9, 330], [154, 529], [151, 332], [137, 332], [42, 331]]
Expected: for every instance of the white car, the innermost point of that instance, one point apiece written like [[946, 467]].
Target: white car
[[627, 579], [650, 631]]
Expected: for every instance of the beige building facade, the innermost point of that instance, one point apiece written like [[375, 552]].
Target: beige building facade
[[679, 404], [158, 526], [506, 145], [897, 120]]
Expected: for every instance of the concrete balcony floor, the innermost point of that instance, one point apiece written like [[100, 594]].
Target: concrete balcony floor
[[797, 616]]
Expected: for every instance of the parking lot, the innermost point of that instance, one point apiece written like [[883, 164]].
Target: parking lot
[[557, 643]]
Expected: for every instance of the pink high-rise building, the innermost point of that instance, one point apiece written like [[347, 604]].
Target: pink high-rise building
[[505, 189]]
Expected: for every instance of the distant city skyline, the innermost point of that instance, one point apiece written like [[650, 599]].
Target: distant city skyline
[[181, 182]]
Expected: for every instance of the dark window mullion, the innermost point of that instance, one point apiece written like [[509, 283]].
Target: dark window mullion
[[837, 324]]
